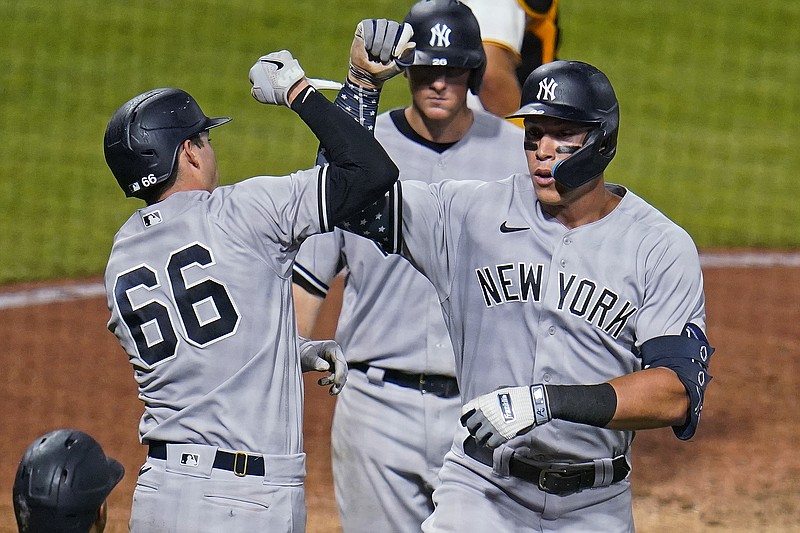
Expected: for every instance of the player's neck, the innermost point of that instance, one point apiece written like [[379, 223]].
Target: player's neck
[[447, 130], [579, 208], [190, 181]]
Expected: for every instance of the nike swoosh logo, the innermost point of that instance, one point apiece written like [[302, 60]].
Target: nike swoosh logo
[[277, 63], [504, 228]]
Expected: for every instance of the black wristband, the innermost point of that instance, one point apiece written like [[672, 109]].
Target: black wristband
[[300, 99], [593, 405]]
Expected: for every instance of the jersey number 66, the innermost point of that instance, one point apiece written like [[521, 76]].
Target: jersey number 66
[[150, 323]]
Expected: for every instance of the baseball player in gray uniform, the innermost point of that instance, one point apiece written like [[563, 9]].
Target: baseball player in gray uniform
[[576, 312], [199, 289], [394, 422]]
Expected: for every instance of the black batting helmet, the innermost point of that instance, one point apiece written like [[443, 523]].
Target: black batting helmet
[[143, 136], [578, 92], [62, 480], [447, 34]]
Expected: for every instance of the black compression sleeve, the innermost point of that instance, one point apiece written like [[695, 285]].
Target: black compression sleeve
[[593, 405], [360, 171]]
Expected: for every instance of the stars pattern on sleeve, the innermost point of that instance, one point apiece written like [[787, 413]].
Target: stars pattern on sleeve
[[360, 103], [369, 223]]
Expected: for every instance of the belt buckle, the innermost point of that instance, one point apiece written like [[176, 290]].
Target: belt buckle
[[422, 384], [543, 478], [243, 471]]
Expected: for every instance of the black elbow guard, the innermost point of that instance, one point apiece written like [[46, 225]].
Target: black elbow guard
[[688, 356]]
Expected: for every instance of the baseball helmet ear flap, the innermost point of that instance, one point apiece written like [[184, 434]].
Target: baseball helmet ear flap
[[589, 161], [143, 136], [576, 92], [447, 34]]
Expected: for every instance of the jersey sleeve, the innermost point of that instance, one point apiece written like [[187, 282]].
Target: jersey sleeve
[[432, 221], [502, 22], [673, 287], [267, 209], [320, 258]]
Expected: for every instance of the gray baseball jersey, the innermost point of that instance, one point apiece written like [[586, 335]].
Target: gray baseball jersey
[[390, 314], [528, 300], [389, 441], [199, 288]]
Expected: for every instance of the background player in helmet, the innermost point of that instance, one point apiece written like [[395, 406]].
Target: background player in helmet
[[518, 36], [577, 315], [395, 421], [62, 483], [199, 288]]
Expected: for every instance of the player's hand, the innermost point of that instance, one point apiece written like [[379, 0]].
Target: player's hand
[[325, 356], [377, 44], [273, 77], [495, 418]]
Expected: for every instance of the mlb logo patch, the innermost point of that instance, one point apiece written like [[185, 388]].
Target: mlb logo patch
[[190, 459], [507, 410], [151, 219]]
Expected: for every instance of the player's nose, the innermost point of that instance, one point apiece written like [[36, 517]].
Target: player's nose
[[546, 148], [439, 81]]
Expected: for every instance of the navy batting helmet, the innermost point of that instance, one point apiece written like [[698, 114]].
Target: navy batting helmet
[[578, 92], [62, 480], [447, 34], [143, 136]]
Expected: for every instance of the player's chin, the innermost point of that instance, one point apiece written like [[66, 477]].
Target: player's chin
[[439, 109], [547, 193]]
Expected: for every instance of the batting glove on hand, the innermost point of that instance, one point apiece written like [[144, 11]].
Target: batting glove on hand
[[273, 76], [324, 356], [376, 46], [499, 416]]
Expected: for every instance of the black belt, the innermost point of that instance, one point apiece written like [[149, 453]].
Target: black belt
[[443, 386], [239, 463], [566, 479]]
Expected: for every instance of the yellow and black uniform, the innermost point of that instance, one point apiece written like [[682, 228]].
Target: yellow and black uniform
[[542, 35]]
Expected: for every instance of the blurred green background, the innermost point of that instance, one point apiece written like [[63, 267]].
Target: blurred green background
[[708, 90]]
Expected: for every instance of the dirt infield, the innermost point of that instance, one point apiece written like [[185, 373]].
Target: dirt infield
[[61, 367]]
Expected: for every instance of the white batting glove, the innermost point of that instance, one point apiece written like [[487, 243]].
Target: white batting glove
[[376, 46], [499, 416], [273, 76], [324, 356]]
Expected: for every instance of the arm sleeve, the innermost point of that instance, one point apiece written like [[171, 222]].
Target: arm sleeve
[[359, 170]]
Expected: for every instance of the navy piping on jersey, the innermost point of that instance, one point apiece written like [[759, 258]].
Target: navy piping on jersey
[[313, 285]]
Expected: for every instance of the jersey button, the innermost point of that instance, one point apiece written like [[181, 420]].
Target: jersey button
[[567, 241], [563, 262], [551, 330], [546, 378]]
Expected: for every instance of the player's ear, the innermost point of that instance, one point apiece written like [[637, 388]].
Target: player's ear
[[188, 149], [101, 519]]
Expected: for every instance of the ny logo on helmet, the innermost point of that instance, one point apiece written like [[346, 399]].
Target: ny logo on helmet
[[440, 35], [547, 89]]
